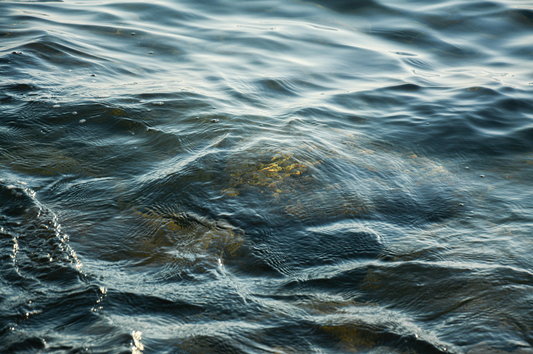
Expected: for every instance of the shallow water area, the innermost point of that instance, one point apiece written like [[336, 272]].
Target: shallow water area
[[266, 177]]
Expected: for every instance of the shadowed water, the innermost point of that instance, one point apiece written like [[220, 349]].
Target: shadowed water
[[266, 177]]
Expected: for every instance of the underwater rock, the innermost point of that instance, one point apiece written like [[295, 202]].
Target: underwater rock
[[354, 177], [185, 238]]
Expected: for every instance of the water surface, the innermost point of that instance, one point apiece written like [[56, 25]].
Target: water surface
[[266, 176]]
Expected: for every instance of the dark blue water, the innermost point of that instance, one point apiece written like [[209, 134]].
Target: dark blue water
[[266, 176]]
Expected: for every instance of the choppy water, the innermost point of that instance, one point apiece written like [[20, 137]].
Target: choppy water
[[266, 176]]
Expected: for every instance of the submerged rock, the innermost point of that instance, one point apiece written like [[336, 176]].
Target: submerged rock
[[185, 239], [352, 177]]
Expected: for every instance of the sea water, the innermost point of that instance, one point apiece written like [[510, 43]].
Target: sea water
[[244, 176]]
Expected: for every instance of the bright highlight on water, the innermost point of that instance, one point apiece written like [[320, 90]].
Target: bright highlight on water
[[266, 177]]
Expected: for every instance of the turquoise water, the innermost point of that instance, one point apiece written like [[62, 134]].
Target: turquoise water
[[266, 177]]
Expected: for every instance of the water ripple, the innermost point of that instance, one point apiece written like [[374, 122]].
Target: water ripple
[[250, 177]]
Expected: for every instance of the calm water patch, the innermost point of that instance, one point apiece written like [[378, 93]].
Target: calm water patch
[[266, 176]]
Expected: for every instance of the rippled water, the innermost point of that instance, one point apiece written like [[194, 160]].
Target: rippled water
[[266, 176]]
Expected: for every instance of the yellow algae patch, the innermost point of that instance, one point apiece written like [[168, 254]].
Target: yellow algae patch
[[273, 176]]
